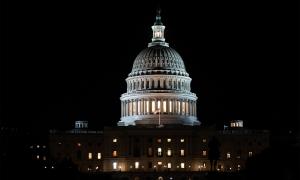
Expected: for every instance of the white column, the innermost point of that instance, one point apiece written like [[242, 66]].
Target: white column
[[122, 109]]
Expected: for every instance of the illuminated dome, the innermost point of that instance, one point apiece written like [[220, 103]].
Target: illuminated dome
[[158, 87], [158, 60]]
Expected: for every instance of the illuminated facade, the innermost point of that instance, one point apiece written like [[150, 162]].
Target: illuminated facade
[[158, 93], [158, 85]]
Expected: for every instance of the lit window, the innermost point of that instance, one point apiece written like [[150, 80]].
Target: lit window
[[114, 154], [164, 106], [147, 106], [115, 165], [150, 152], [37, 156], [232, 124], [59, 143], [170, 106], [90, 155], [239, 166], [204, 153], [159, 140], [44, 158], [78, 144], [37, 146], [99, 155], [182, 165], [153, 106], [158, 104], [178, 107], [169, 166], [133, 108], [169, 140], [183, 107], [115, 140], [139, 107], [181, 152], [97, 167], [159, 152], [204, 140], [44, 146], [159, 163], [169, 152], [228, 155], [250, 153], [204, 165], [136, 165], [181, 140]]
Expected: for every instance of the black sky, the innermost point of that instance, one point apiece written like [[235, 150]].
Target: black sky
[[69, 60]]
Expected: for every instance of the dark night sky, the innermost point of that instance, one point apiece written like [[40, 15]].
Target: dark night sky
[[69, 60]]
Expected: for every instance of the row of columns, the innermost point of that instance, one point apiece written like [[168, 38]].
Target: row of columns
[[165, 106], [143, 84]]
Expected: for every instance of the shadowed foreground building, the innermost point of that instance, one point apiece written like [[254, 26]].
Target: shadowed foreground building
[[158, 130]]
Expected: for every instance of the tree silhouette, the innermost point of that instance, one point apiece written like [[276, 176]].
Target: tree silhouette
[[213, 152]]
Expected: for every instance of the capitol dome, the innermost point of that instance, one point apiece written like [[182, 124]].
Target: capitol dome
[[158, 60], [158, 87]]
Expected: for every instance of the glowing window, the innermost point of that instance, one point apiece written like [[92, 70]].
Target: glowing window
[[158, 104], [115, 140], [181, 140], [250, 153], [78, 144], [181, 152], [169, 152], [37, 146], [170, 106], [139, 107], [44, 158], [159, 152], [169, 140], [157, 34], [147, 106], [159, 140], [153, 106], [169, 166], [204, 153], [183, 107], [182, 165], [204, 165], [99, 155], [178, 107], [136, 165], [90, 155], [164, 106], [115, 154], [37, 156], [115, 165], [133, 108], [204, 140], [187, 107], [159, 163], [228, 155]]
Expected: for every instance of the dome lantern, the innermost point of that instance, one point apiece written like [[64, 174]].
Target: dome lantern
[[158, 37]]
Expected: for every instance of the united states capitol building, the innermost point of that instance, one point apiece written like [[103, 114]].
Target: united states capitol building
[[158, 130]]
